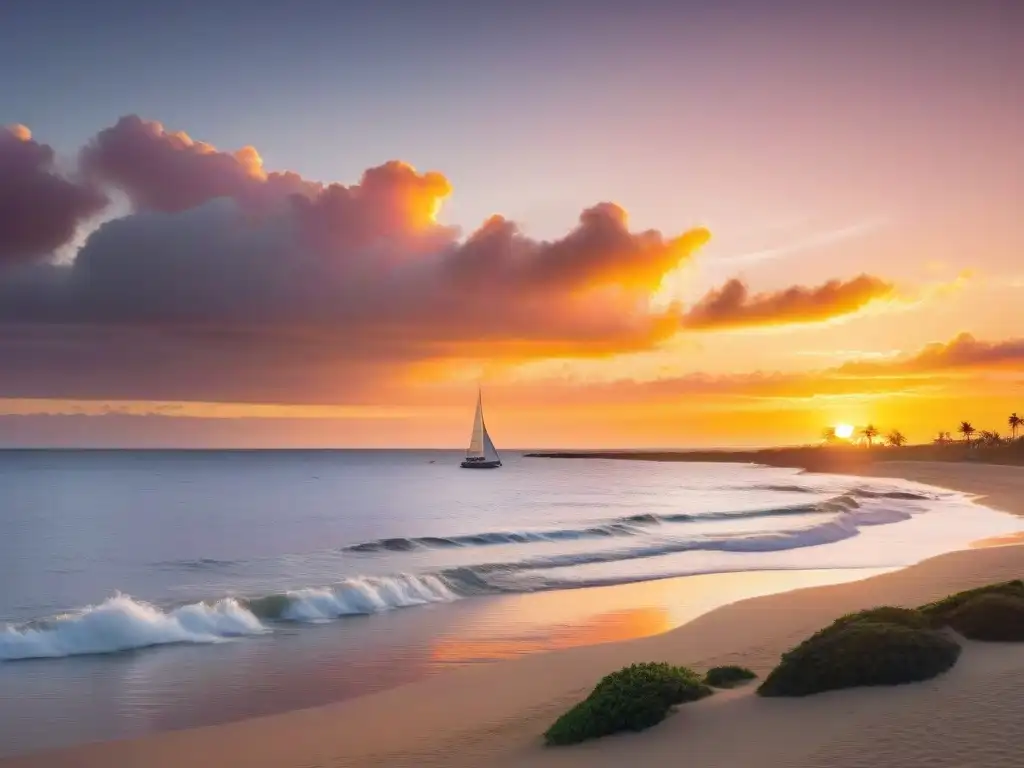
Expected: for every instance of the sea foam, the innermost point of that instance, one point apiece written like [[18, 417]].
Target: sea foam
[[366, 595], [121, 623]]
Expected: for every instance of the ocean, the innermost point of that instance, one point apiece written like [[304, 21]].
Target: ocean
[[148, 590]]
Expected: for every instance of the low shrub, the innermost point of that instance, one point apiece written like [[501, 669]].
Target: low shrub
[[861, 653], [727, 677], [938, 612], [995, 617], [632, 699], [883, 614]]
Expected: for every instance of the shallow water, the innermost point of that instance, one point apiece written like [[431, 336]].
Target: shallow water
[[226, 584]]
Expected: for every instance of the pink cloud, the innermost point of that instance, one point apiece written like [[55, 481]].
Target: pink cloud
[[733, 306], [224, 256]]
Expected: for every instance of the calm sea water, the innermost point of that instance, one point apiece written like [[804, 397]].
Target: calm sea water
[[145, 590]]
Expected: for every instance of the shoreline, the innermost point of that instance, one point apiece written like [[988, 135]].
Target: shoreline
[[843, 459], [187, 686], [403, 725]]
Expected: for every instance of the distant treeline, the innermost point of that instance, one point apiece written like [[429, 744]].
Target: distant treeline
[[821, 458]]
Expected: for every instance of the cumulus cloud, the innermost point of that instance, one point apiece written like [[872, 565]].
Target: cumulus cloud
[[39, 208], [224, 263], [231, 282], [733, 306], [214, 266], [170, 172]]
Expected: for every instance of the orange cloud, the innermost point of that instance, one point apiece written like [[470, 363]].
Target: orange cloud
[[915, 374], [272, 280], [962, 352], [733, 306], [20, 132], [705, 389]]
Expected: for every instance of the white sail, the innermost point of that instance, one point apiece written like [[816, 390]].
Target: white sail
[[490, 452], [479, 437]]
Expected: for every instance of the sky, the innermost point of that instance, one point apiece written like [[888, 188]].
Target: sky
[[642, 224]]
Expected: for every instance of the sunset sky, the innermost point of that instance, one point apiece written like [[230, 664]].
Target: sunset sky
[[635, 224]]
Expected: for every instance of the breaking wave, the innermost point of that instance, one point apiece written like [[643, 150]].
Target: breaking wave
[[843, 526], [632, 525], [863, 493], [358, 596], [123, 623]]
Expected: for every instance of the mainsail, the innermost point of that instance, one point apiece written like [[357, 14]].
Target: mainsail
[[476, 440]]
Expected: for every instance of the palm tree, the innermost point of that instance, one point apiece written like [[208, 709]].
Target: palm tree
[[870, 432], [990, 438], [967, 430], [1015, 423], [896, 439], [828, 434], [943, 439]]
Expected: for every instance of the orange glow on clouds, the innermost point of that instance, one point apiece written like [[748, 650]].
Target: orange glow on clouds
[[20, 132], [326, 302]]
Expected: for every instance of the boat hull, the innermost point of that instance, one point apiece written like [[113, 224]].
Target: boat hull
[[480, 464]]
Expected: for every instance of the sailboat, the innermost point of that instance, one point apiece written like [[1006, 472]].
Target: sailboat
[[481, 453]]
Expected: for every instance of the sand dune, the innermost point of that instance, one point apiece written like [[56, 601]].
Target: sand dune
[[494, 714]]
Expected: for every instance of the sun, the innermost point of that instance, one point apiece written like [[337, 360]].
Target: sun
[[844, 431]]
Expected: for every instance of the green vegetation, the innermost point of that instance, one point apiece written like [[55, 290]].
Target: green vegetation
[[632, 699], [939, 612], [834, 455], [996, 617], [889, 645], [885, 645], [883, 614], [727, 677], [880, 646]]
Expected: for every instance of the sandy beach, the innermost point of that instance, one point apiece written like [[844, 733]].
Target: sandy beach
[[494, 714]]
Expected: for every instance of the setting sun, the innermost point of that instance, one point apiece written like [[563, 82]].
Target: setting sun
[[844, 431]]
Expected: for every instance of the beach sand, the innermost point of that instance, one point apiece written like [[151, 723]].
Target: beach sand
[[494, 714]]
